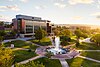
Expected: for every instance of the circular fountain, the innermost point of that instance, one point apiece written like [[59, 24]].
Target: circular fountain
[[57, 50]]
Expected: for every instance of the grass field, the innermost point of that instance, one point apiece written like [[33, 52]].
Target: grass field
[[43, 42], [49, 62], [21, 44], [21, 55], [78, 62], [88, 46], [94, 55]]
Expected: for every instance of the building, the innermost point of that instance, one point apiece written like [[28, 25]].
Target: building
[[27, 25]]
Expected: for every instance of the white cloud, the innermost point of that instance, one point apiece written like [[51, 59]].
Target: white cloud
[[10, 7], [95, 14], [1, 10], [99, 1], [10, 0], [60, 5], [77, 17], [5, 18], [25, 1], [74, 2], [40, 7]]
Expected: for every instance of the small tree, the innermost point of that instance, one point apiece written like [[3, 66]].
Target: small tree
[[40, 33]]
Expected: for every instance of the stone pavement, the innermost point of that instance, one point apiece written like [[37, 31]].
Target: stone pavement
[[64, 63], [89, 59]]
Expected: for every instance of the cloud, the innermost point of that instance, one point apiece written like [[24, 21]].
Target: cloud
[[10, 0], [5, 18], [25, 1], [95, 14], [1, 10], [98, 1], [74, 2], [77, 17], [60, 5], [10, 7], [40, 7]]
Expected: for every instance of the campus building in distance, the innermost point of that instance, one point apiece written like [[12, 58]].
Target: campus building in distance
[[27, 25]]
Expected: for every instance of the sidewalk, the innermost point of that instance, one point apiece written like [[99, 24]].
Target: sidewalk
[[64, 63], [89, 59]]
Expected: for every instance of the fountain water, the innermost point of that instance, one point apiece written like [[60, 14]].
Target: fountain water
[[57, 43], [57, 49]]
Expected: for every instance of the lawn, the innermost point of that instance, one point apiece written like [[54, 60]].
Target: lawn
[[49, 62], [21, 44], [94, 55], [43, 42], [21, 55], [88, 46], [78, 62]]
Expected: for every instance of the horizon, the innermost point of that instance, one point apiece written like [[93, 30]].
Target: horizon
[[57, 11]]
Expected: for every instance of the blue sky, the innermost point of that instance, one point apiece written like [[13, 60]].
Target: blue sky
[[57, 11]]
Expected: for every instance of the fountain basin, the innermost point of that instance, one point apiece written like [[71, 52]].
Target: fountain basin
[[57, 51]]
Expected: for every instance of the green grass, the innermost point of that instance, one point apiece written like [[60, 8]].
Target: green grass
[[49, 62], [43, 42], [88, 46], [77, 62], [93, 55], [21, 55], [21, 44]]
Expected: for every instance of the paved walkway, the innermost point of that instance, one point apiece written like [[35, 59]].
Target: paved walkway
[[89, 59], [24, 39], [64, 63]]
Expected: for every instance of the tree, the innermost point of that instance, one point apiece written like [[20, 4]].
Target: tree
[[2, 33], [30, 64], [56, 32], [1, 23], [66, 32], [6, 57], [79, 34], [40, 33], [65, 40], [96, 39]]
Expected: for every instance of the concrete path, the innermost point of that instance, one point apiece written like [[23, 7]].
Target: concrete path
[[89, 59], [24, 39], [64, 63]]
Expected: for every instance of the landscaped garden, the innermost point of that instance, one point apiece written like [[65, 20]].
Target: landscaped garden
[[43, 42], [21, 44], [79, 62], [94, 54], [21, 55], [49, 62], [87, 46]]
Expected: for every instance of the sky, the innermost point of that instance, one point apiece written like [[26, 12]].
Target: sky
[[57, 11]]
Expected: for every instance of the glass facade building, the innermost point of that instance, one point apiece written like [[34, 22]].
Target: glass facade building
[[28, 25]]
